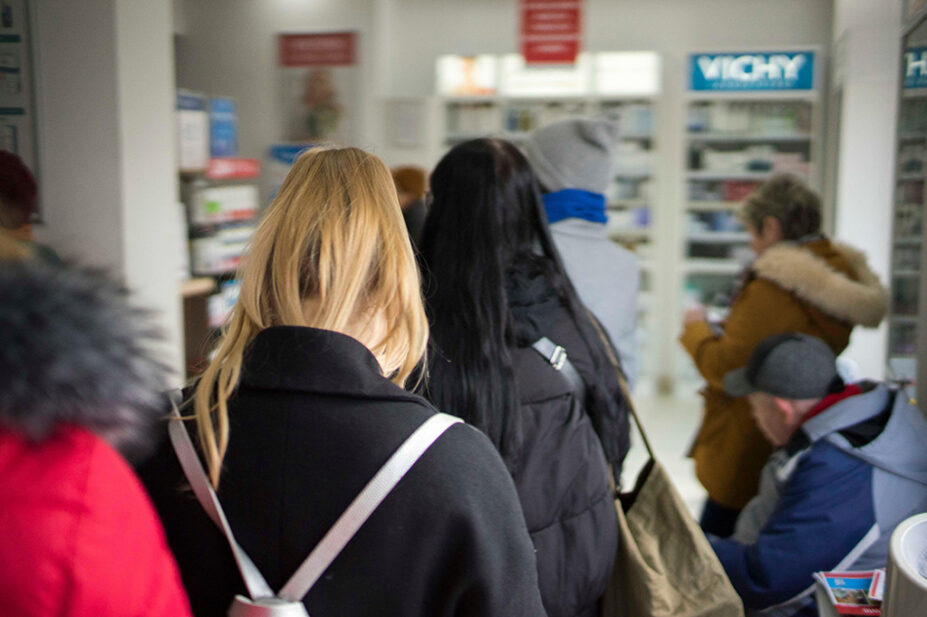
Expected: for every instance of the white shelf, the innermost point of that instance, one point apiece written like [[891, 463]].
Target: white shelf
[[712, 206], [632, 175], [712, 266], [718, 237], [749, 138], [466, 99], [906, 137], [912, 177], [806, 96], [905, 274], [459, 118], [907, 241], [624, 204], [629, 233], [635, 136], [903, 319], [729, 175]]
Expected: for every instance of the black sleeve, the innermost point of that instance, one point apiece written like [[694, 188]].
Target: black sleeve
[[498, 571]]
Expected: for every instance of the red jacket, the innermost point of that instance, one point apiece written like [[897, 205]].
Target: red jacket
[[78, 534]]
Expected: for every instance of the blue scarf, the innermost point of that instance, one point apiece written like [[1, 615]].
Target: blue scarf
[[575, 204]]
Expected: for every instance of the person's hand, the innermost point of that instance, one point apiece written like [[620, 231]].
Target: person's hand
[[694, 314]]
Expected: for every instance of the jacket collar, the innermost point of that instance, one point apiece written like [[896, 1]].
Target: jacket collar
[[581, 228], [319, 361], [807, 270]]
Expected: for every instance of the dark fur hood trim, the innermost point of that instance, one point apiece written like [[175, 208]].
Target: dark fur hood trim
[[72, 351], [532, 301]]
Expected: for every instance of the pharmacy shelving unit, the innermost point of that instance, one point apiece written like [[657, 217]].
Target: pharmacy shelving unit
[[907, 238], [222, 204], [733, 142], [631, 195]]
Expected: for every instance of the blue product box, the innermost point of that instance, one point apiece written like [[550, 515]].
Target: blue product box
[[223, 127]]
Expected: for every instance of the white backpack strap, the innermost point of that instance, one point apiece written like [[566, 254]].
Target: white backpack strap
[[364, 504], [196, 476]]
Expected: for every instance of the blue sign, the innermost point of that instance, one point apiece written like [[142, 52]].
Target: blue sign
[[749, 71], [915, 67]]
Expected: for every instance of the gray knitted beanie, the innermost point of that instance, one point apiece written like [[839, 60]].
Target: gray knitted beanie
[[576, 153]]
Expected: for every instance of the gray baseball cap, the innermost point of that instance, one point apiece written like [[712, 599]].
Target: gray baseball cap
[[791, 366]]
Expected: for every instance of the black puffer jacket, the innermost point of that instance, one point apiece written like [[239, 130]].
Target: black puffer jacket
[[561, 473]]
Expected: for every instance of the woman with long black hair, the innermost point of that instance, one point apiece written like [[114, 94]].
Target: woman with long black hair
[[502, 311]]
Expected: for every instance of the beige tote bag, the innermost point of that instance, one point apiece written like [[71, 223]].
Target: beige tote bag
[[665, 566]]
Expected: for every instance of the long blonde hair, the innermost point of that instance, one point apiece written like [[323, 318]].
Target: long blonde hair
[[333, 238]]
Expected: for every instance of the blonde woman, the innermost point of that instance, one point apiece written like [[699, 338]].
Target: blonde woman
[[304, 402]]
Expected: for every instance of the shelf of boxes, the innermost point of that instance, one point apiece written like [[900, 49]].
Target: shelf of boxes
[[629, 197], [727, 267], [223, 206], [712, 206], [733, 143], [907, 236]]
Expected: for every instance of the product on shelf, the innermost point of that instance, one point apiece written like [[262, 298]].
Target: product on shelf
[[192, 131], [912, 119], [904, 294], [223, 127], [912, 158], [742, 118], [908, 218], [210, 205], [907, 257], [635, 120], [522, 116], [220, 304], [473, 119], [220, 252], [902, 339]]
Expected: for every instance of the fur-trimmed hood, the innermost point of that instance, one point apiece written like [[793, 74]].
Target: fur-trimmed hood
[[72, 351], [807, 273]]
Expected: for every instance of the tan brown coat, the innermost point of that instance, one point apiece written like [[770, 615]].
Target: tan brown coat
[[820, 288]]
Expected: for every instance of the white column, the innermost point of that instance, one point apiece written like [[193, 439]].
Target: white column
[[866, 35], [108, 181]]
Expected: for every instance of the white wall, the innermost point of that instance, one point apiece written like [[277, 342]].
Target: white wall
[[152, 230], [106, 132], [426, 29], [229, 47], [78, 140], [868, 32]]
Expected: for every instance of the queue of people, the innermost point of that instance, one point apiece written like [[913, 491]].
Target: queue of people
[[330, 471]]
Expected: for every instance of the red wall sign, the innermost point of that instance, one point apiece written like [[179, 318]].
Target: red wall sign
[[327, 49], [550, 31]]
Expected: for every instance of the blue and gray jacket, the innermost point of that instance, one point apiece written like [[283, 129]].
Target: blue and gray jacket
[[829, 500]]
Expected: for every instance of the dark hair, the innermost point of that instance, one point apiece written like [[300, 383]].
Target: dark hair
[[788, 200], [486, 220], [18, 189]]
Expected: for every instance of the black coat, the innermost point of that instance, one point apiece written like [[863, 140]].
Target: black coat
[[559, 467], [562, 481], [311, 423]]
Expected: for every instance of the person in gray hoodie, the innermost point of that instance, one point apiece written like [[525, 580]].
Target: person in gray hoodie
[[574, 160], [850, 466]]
